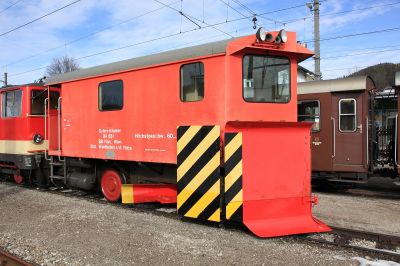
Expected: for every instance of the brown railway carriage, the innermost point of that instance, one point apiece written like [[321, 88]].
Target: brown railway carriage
[[343, 146]]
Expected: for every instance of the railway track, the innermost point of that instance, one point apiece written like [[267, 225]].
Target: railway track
[[373, 244], [380, 245], [7, 259]]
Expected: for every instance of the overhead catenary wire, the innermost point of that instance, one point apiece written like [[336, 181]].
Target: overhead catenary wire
[[84, 57], [39, 18], [343, 12], [191, 18], [164, 37], [88, 35], [356, 34], [125, 21], [10, 6]]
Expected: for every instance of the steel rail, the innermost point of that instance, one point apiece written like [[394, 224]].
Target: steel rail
[[384, 245], [7, 258]]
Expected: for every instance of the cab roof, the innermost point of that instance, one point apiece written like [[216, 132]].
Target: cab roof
[[335, 85]]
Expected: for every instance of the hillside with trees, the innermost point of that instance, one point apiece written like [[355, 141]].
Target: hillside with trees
[[383, 74]]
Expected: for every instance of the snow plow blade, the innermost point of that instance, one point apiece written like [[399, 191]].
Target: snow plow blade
[[267, 184]]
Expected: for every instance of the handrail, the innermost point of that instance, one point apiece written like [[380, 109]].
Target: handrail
[[334, 137], [395, 135], [45, 129], [367, 133], [59, 127]]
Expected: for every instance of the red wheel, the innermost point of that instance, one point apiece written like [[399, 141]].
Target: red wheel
[[18, 178], [111, 185]]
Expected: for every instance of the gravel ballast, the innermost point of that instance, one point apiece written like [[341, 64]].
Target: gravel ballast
[[51, 229]]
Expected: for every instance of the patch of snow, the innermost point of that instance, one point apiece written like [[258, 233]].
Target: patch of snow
[[365, 262]]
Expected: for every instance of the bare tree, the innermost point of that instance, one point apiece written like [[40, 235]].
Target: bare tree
[[61, 65]]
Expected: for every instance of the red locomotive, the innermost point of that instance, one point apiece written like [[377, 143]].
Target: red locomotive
[[22, 142], [211, 127]]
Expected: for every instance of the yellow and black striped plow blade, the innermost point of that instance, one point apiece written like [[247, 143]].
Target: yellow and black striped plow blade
[[233, 194], [198, 159]]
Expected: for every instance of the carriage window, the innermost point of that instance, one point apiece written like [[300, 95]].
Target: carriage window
[[266, 79], [111, 95], [347, 115], [38, 97], [309, 111], [12, 103], [192, 82]]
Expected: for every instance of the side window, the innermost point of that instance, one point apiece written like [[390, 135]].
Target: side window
[[192, 82], [111, 95], [38, 97], [347, 115], [12, 103], [309, 111]]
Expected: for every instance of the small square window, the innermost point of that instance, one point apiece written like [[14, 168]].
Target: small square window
[[192, 82], [347, 115], [111, 95], [12, 103], [309, 111]]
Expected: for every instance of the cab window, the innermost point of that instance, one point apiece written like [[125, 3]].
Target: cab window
[[192, 82], [309, 111], [347, 115], [111, 95], [37, 101], [266, 79], [11, 103]]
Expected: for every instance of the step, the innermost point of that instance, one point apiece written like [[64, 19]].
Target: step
[[57, 163], [57, 177]]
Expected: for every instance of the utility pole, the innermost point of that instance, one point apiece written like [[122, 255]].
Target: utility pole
[[314, 7], [5, 79]]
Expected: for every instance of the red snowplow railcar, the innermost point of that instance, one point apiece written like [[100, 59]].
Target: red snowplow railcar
[[211, 127]]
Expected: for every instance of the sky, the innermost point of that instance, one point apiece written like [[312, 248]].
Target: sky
[[96, 32]]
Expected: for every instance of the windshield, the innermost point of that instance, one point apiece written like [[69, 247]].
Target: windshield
[[38, 97], [266, 79]]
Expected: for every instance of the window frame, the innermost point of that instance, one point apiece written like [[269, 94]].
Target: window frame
[[340, 115], [99, 104], [180, 82], [3, 94], [290, 76], [319, 116]]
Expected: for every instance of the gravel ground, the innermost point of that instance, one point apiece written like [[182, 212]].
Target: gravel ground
[[362, 213], [55, 230]]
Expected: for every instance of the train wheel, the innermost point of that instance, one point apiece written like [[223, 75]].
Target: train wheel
[[18, 178], [111, 185]]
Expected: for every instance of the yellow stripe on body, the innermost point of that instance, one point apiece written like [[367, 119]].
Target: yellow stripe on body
[[127, 193], [215, 217], [201, 176], [204, 201], [25, 147], [234, 204], [212, 136], [232, 146], [233, 175], [184, 140]]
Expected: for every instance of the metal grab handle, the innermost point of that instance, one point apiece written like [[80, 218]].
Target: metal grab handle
[[367, 134], [334, 137], [59, 127], [45, 129], [396, 134]]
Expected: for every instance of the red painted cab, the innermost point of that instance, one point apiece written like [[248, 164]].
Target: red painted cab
[[22, 130]]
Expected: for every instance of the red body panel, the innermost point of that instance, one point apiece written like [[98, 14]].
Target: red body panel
[[144, 130], [277, 178]]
